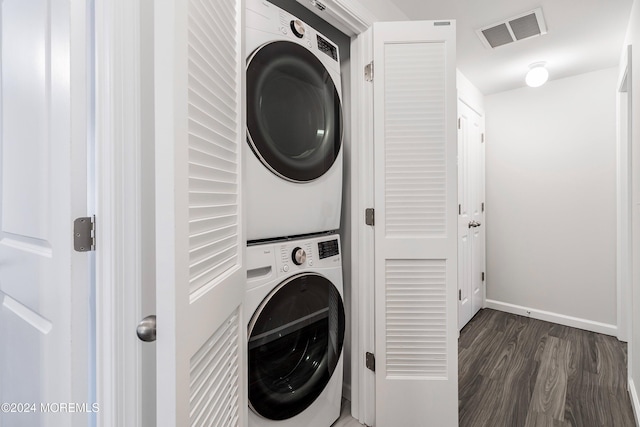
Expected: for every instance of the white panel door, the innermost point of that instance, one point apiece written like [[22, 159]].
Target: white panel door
[[200, 128], [470, 213], [44, 284], [465, 237], [415, 230]]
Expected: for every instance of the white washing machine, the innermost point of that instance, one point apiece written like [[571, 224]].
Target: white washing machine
[[296, 332], [293, 167]]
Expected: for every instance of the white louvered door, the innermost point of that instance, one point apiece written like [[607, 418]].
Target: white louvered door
[[415, 227], [200, 128]]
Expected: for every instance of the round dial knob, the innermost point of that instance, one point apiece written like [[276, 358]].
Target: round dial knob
[[298, 28], [298, 256]]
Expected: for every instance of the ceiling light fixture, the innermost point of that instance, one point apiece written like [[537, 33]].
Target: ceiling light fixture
[[537, 74]]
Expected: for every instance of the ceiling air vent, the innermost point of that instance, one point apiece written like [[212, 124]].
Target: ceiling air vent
[[519, 27]]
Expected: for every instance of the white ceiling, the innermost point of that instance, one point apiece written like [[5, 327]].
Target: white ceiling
[[582, 36]]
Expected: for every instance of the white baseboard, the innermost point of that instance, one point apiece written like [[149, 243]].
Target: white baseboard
[[575, 322], [635, 403]]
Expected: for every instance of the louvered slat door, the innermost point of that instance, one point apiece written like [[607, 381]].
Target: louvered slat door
[[199, 81], [415, 232]]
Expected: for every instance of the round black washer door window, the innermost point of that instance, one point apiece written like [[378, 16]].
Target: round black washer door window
[[295, 342], [294, 117]]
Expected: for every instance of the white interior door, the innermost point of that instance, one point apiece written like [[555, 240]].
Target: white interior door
[[470, 213], [465, 247], [44, 284], [415, 230], [200, 131]]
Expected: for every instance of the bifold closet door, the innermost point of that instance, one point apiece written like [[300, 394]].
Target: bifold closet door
[[415, 144], [200, 132]]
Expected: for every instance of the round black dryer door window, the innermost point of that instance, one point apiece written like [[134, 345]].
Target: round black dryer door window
[[295, 342], [294, 117]]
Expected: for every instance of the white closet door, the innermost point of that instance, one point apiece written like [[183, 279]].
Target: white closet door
[[415, 229], [200, 128], [465, 227], [471, 224]]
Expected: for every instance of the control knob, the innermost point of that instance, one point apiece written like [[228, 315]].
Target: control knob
[[298, 28], [298, 256]]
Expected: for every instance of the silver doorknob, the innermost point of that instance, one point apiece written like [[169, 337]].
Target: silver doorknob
[[146, 329]]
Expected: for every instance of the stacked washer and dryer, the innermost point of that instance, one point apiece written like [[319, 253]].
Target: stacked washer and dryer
[[293, 192]]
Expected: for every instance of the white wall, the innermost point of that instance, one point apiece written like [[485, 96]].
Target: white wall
[[469, 94], [382, 10], [551, 200]]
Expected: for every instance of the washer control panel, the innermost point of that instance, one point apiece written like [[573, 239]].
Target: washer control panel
[[316, 252]]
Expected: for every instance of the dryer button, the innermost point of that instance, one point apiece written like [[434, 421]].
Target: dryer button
[[309, 43], [284, 30], [285, 268], [310, 263]]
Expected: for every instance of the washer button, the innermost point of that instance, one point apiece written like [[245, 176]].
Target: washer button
[[285, 268], [310, 263], [283, 30], [309, 43]]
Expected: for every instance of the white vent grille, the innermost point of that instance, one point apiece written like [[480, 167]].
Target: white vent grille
[[416, 318], [213, 132], [415, 140], [214, 379], [520, 27]]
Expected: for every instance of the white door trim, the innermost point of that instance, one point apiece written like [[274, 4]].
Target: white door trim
[[118, 377], [624, 196]]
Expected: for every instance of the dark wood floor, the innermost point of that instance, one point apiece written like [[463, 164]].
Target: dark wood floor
[[516, 371]]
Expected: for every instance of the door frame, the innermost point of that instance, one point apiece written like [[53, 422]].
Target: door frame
[[624, 200], [118, 207], [118, 200]]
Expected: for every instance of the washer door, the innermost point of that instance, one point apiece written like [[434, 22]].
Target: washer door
[[294, 118], [295, 342]]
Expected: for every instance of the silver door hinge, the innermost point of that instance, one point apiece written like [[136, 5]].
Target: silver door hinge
[[459, 209], [483, 276], [458, 122], [368, 72], [370, 361], [370, 216], [84, 234], [482, 138], [459, 294], [482, 206]]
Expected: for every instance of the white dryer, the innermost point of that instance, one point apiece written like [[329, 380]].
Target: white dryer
[[295, 333], [293, 164]]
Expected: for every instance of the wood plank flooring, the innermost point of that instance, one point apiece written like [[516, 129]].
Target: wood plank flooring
[[516, 371]]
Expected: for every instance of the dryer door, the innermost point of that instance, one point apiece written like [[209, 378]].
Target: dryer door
[[294, 118], [295, 342]]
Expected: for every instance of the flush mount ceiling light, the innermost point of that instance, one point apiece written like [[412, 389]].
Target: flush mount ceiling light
[[537, 75]]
